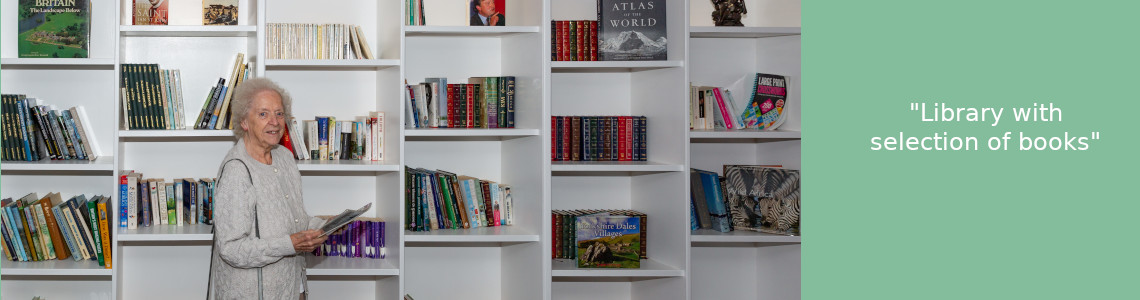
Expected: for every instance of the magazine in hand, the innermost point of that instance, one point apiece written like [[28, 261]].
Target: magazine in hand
[[336, 222]]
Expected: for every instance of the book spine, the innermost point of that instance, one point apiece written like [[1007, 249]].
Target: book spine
[[593, 40], [42, 230], [66, 234], [58, 243], [144, 203], [573, 36], [123, 196], [132, 202], [554, 49], [510, 101], [583, 46], [104, 233], [566, 137], [96, 236], [83, 228]]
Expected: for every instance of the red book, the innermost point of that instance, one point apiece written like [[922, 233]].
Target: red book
[[565, 138], [564, 39], [554, 139], [622, 121], [593, 41], [286, 141], [470, 105]]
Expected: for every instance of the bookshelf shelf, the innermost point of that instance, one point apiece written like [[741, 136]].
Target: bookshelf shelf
[[66, 267], [104, 163], [446, 31], [465, 134], [741, 32], [649, 269], [161, 233], [713, 237], [615, 167], [747, 135], [187, 31], [611, 66], [58, 63], [350, 266], [346, 166], [330, 64], [497, 234], [188, 133]]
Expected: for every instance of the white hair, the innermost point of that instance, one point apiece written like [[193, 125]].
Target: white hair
[[243, 96]]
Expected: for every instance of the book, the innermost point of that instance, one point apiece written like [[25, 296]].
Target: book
[[336, 222], [763, 199], [219, 12], [766, 108], [151, 12], [632, 30], [608, 241], [487, 12], [104, 233], [54, 29]]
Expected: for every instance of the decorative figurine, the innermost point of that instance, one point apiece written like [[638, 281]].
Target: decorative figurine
[[728, 12]]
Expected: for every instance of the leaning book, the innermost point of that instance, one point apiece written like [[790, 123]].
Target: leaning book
[[632, 30], [763, 199], [609, 241], [54, 28]]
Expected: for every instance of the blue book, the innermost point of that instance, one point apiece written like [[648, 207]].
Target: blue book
[[73, 132], [214, 118], [66, 232], [718, 212], [14, 225], [693, 224]]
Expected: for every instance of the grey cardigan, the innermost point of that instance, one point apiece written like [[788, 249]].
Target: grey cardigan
[[276, 191]]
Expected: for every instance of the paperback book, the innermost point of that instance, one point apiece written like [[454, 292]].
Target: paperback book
[[219, 12], [151, 12]]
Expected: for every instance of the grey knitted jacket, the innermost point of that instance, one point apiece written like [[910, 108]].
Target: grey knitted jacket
[[276, 192]]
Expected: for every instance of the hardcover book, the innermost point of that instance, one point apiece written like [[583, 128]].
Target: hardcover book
[[608, 241], [219, 12], [632, 30], [54, 28], [763, 199], [151, 12], [487, 12]]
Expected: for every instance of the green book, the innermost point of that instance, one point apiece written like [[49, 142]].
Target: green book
[[93, 217], [54, 29]]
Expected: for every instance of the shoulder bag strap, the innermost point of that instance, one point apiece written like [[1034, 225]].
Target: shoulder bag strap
[[256, 231]]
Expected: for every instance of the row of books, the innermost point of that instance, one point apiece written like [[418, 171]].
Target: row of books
[[328, 139], [414, 12], [316, 41], [600, 238], [364, 237], [575, 40], [756, 198], [38, 229], [444, 200], [147, 201], [599, 138], [712, 108], [33, 131], [152, 97], [483, 102], [215, 112]]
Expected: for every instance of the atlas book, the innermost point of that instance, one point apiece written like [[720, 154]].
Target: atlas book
[[219, 12], [54, 28], [608, 241], [632, 30]]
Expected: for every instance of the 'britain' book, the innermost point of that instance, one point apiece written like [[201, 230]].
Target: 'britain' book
[[632, 30], [54, 28]]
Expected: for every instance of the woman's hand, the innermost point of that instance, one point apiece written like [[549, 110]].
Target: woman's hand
[[306, 241]]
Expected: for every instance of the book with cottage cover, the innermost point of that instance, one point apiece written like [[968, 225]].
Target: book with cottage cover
[[219, 12], [608, 241], [632, 30], [54, 28]]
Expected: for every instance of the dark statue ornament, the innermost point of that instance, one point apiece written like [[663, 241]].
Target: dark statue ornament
[[728, 12]]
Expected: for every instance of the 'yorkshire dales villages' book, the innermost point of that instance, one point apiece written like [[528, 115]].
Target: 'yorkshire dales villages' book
[[609, 241], [54, 28], [632, 30]]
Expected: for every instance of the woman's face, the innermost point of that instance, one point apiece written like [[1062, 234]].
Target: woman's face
[[266, 119]]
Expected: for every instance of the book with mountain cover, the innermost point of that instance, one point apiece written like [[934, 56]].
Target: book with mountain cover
[[54, 29], [632, 30]]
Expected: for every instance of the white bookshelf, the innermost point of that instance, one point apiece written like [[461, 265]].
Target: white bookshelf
[[745, 264], [508, 262]]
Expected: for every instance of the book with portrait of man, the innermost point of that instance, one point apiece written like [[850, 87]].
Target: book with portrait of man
[[487, 12], [219, 12], [151, 12]]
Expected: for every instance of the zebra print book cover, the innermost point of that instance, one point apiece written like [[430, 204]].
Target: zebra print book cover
[[763, 199]]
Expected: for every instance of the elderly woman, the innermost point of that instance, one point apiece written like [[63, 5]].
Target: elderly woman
[[261, 228]]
